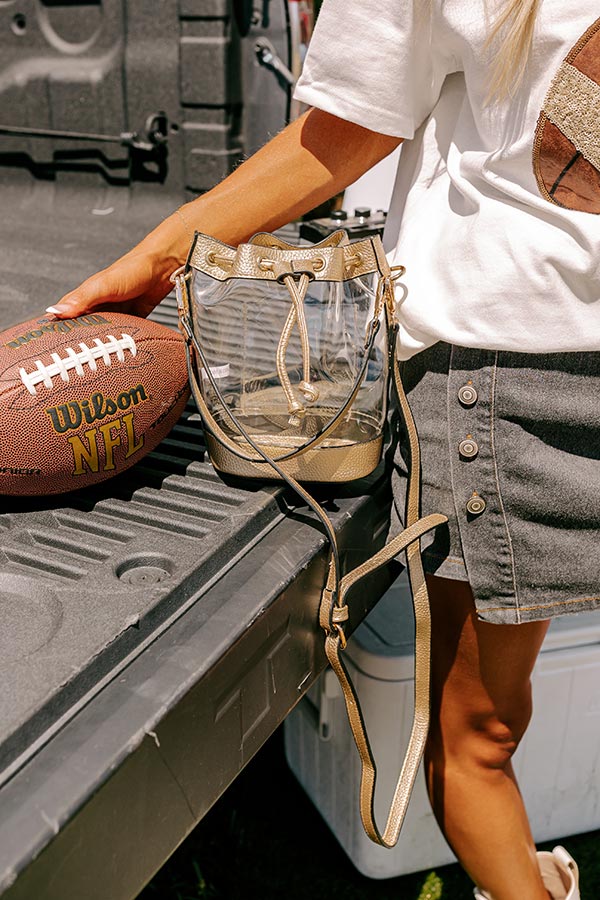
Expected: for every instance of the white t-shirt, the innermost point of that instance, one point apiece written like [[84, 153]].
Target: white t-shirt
[[496, 257]]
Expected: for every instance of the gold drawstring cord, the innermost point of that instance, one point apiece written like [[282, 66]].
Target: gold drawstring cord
[[297, 290], [298, 293], [295, 408]]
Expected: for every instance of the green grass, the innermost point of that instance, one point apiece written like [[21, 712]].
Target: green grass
[[265, 840]]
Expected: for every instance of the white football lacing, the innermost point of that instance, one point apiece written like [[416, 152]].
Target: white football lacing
[[77, 360]]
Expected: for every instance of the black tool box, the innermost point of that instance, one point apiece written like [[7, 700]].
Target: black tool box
[[156, 629]]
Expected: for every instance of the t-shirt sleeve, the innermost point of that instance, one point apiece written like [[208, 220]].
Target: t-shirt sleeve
[[378, 63]]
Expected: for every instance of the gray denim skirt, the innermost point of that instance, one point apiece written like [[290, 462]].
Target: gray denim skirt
[[511, 455]]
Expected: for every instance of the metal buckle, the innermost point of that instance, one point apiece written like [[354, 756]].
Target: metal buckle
[[341, 635], [385, 289], [178, 278], [178, 273]]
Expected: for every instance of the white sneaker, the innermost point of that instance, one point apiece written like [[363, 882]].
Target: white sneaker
[[559, 873]]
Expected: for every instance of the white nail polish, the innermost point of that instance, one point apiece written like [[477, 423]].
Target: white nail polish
[[52, 309]]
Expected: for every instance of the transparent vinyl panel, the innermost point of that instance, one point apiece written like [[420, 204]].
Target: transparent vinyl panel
[[285, 368]]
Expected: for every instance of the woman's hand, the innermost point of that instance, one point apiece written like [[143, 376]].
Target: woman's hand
[[309, 161], [136, 282]]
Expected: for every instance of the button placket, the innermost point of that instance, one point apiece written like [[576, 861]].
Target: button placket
[[470, 452], [474, 485]]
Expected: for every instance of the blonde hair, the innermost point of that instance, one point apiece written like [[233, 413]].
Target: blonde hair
[[510, 42]]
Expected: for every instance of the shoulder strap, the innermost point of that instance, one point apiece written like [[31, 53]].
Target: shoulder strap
[[334, 613], [333, 610]]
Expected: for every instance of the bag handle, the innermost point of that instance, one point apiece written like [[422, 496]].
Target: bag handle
[[333, 611]]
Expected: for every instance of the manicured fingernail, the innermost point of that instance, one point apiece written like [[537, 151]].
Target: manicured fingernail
[[53, 309]]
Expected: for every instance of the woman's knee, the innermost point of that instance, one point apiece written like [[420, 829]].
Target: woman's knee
[[479, 736], [481, 681]]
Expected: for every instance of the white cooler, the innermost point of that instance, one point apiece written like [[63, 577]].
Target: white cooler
[[557, 764]]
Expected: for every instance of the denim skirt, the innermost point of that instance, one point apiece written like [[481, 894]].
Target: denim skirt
[[511, 455]]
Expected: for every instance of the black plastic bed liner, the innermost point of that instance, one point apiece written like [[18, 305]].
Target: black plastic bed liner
[[155, 630]]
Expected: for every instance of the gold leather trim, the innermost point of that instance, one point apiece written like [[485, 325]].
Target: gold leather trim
[[336, 464], [337, 262]]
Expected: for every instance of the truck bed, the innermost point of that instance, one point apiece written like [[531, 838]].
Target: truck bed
[[156, 629]]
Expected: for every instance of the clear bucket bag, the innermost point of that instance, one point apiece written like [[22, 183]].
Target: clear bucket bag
[[292, 342], [290, 351]]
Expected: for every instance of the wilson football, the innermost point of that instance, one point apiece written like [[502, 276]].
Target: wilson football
[[83, 399], [566, 152]]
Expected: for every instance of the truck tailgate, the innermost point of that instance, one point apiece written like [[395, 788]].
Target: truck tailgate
[[156, 629]]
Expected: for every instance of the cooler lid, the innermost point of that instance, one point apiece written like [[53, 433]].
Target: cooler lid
[[382, 646], [575, 630]]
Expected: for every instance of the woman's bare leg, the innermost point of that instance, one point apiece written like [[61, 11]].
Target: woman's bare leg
[[481, 706]]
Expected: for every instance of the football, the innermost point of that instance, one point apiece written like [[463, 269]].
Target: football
[[566, 154], [84, 399]]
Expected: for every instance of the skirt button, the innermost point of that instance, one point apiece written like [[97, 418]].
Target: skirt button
[[468, 448], [476, 505], [467, 395]]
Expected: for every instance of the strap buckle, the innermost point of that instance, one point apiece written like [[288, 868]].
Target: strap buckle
[[341, 635], [179, 278], [339, 615], [386, 293], [177, 274]]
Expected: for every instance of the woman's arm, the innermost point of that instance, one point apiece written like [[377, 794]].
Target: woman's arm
[[309, 161]]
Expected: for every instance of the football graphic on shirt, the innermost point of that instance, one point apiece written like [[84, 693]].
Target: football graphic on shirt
[[566, 151]]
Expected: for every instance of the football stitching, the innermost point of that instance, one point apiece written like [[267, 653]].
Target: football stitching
[[62, 367]]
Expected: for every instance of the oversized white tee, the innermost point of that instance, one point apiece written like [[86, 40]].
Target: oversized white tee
[[495, 208]]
